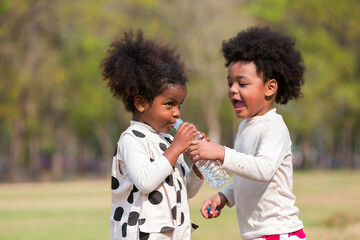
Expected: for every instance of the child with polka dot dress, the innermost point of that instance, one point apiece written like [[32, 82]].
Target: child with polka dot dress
[[263, 68], [150, 179]]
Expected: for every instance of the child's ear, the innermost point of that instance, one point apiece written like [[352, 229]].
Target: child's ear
[[271, 87], [140, 103]]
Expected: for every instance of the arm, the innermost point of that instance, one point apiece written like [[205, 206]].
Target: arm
[[182, 139], [148, 175], [273, 148], [143, 172]]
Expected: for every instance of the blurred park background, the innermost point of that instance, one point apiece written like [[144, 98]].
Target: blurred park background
[[59, 122]]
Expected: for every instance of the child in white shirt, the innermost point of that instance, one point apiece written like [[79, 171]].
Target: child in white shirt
[[263, 68], [150, 179]]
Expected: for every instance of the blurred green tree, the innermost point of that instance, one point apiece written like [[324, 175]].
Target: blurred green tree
[[58, 119], [328, 34]]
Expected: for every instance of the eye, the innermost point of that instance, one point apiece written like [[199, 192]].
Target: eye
[[229, 84], [170, 104]]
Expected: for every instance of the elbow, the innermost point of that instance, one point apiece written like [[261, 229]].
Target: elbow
[[264, 176], [146, 187], [146, 184], [266, 171]]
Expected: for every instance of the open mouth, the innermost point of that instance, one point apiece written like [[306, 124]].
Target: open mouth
[[238, 105]]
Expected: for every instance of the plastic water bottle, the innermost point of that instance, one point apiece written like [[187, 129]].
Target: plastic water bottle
[[211, 170]]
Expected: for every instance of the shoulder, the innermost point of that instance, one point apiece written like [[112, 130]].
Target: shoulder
[[133, 136], [274, 124]]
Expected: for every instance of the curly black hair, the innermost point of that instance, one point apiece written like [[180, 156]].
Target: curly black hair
[[274, 56], [135, 65]]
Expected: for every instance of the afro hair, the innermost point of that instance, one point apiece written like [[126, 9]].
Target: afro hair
[[135, 65], [273, 54]]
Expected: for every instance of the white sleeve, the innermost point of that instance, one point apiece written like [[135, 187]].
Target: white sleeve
[[274, 146], [194, 183], [145, 173], [228, 192]]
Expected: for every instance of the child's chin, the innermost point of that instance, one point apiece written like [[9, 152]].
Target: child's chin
[[240, 115], [167, 130]]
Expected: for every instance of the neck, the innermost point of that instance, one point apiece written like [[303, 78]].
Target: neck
[[136, 116]]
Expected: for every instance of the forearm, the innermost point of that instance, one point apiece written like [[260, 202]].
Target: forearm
[[255, 168], [148, 177], [172, 153], [201, 150]]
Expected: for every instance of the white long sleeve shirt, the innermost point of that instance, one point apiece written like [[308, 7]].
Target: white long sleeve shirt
[[149, 196], [261, 190]]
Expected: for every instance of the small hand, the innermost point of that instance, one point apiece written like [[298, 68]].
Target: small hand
[[184, 136], [182, 139], [211, 208], [202, 150]]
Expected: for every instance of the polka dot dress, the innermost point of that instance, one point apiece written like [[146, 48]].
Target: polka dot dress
[[149, 196]]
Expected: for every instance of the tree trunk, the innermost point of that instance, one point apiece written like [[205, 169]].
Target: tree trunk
[[346, 150], [307, 152], [16, 150], [107, 149]]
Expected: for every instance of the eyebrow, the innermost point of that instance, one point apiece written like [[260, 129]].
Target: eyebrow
[[238, 77], [173, 100]]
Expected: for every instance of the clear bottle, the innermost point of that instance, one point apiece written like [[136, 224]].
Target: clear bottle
[[211, 170]]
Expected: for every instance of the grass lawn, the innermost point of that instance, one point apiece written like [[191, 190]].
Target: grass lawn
[[329, 203]]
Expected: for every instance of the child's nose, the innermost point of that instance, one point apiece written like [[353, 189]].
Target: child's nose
[[176, 112], [233, 89]]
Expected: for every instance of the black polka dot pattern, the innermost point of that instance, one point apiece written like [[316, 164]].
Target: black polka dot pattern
[[173, 212], [133, 218], [118, 213], [182, 220], [168, 140], [178, 196], [128, 218], [180, 185], [166, 229], [114, 183], [144, 236], [162, 146], [135, 189], [182, 170], [130, 198], [169, 180], [123, 229], [115, 152], [155, 197], [138, 134]]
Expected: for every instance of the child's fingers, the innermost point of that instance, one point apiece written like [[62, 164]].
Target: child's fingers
[[214, 211], [203, 136], [190, 130], [193, 153], [186, 131], [204, 209]]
